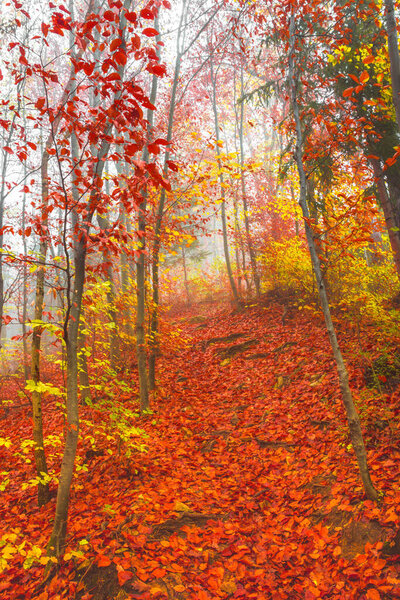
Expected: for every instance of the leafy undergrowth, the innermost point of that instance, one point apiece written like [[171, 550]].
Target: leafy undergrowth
[[248, 488]]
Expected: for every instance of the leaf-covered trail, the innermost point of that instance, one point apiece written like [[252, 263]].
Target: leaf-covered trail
[[249, 488], [261, 443]]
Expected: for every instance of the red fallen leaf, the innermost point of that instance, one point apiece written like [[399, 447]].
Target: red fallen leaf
[[150, 32], [373, 594], [159, 572], [142, 575], [103, 561], [124, 576]]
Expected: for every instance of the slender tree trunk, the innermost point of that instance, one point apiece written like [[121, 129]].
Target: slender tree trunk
[[185, 277], [250, 246], [141, 267], [57, 539], [40, 458], [75, 287], [222, 188], [25, 286], [388, 213], [111, 300], [83, 371], [37, 417], [351, 411], [154, 342], [393, 49]]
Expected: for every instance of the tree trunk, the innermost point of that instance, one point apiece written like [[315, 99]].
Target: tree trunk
[[83, 372], [154, 345], [56, 544], [57, 540], [185, 277], [351, 411], [111, 302], [393, 50], [388, 213], [141, 268], [222, 189], [37, 417], [250, 246]]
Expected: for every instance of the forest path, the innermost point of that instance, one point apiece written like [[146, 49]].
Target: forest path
[[247, 488], [253, 468]]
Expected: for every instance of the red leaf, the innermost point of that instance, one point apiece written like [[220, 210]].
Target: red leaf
[[173, 166], [113, 77], [368, 59], [154, 148], [109, 15], [131, 149], [124, 576], [40, 102], [45, 29], [135, 41], [115, 44], [131, 16], [145, 13], [120, 57], [161, 142], [348, 92], [103, 561], [8, 149], [150, 32], [88, 68], [157, 69]]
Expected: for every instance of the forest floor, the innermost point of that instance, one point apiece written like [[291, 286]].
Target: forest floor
[[248, 487]]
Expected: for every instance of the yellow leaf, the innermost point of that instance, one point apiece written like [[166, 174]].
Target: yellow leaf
[[181, 507]]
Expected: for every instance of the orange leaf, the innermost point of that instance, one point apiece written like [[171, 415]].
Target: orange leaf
[[159, 572], [124, 576], [348, 92], [179, 588], [373, 594], [368, 59], [103, 561]]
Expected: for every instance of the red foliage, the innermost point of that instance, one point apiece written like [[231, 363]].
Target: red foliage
[[257, 445]]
